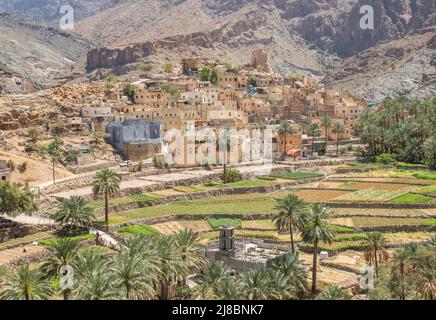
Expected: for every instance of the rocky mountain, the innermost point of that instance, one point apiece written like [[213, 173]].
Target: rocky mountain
[[320, 37], [33, 56]]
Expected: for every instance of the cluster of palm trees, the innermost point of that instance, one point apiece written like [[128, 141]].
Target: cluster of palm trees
[[404, 128], [311, 221], [314, 130], [410, 273], [285, 279], [143, 268]]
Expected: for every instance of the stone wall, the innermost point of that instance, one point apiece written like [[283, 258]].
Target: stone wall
[[21, 230]]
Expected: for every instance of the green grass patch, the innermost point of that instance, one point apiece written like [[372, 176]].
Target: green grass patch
[[425, 175], [238, 184], [342, 229], [141, 229], [221, 222], [430, 222], [411, 198], [269, 178], [429, 189], [52, 241], [349, 237], [296, 175]]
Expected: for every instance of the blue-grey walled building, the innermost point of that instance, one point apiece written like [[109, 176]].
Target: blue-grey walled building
[[135, 139]]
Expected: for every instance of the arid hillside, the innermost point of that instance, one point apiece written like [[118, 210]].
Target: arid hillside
[[32, 57], [320, 37]]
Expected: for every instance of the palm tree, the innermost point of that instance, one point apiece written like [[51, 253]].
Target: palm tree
[[284, 129], [93, 277], [316, 230], [63, 252], [229, 288], [338, 129], [171, 265], [375, 251], [332, 293], [426, 284], [314, 132], [55, 151], [326, 123], [187, 242], [254, 284], [75, 213], [211, 277], [26, 284], [293, 273], [430, 151], [402, 265], [132, 276], [16, 199], [106, 183], [290, 216]]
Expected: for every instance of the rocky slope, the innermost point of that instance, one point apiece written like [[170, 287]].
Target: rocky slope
[[321, 37], [32, 56]]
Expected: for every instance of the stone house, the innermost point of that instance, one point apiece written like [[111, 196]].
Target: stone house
[[135, 139]]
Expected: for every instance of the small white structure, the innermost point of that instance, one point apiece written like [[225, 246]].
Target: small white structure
[[323, 255]]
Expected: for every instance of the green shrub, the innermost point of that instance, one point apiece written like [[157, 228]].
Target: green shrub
[[141, 229], [297, 175], [221, 222], [232, 175], [385, 158]]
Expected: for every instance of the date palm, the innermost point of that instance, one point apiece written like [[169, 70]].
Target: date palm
[[63, 252], [26, 284], [326, 123], [211, 277], [187, 242], [426, 284], [93, 277], [402, 264], [293, 273], [171, 265], [332, 293], [314, 132], [316, 230], [338, 129], [375, 251], [254, 285], [229, 289], [106, 183], [75, 213], [284, 129], [290, 216], [132, 277]]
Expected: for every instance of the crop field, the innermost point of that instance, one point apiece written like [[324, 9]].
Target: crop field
[[382, 212], [379, 221], [372, 195], [319, 195]]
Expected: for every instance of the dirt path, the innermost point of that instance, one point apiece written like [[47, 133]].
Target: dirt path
[[13, 254]]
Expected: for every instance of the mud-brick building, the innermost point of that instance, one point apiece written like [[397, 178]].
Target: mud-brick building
[[135, 139], [5, 172]]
